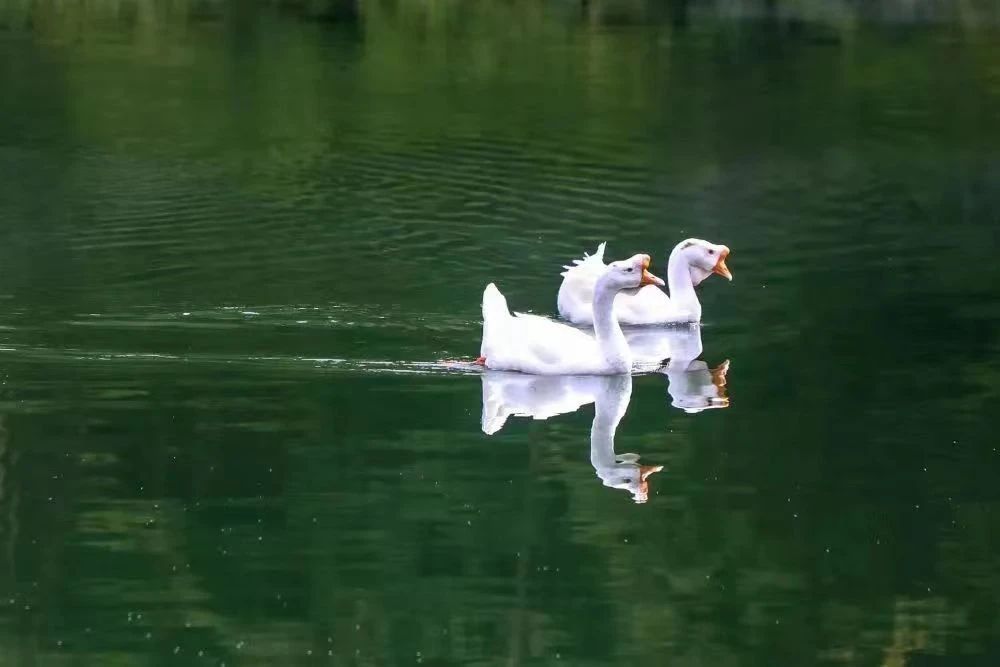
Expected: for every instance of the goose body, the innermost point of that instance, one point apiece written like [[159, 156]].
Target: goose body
[[691, 261], [540, 346]]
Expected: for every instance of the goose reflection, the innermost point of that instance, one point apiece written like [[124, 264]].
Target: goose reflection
[[691, 385], [674, 351], [619, 471], [541, 397]]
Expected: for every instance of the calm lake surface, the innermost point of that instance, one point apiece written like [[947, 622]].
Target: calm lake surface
[[237, 240]]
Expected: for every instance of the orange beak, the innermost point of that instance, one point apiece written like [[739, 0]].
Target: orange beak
[[642, 495], [719, 380], [646, 471], [719, 375], [647, 277], [720, 267]]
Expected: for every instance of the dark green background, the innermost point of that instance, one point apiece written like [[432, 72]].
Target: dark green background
[[235, 238]]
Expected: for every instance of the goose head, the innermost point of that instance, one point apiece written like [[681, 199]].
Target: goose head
[[702, 259], [629, 476], [698, 387], [629, 274]]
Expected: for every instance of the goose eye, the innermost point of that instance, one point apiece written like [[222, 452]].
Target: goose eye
[[711, 251], [630, 269]]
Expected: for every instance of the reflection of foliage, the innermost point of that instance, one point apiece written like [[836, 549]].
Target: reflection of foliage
[[381, 531], [262, 525]]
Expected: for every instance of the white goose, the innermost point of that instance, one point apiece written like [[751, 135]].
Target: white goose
[[690, 263], [540, 346]]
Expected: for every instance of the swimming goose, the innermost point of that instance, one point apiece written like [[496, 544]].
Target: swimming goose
[[540, 346], [691, 262]]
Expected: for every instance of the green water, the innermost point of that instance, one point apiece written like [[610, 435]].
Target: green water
[[237, 240]]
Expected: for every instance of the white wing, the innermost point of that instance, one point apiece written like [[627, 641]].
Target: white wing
[[576, 293]]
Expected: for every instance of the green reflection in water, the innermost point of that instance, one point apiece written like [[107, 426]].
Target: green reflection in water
[[237, 238]]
